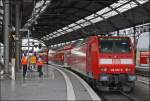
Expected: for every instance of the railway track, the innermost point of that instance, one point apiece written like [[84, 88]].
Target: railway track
[[143, 72], [130, 97], [116, 96]]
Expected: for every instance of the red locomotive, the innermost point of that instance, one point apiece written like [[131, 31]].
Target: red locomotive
[[107, 61]]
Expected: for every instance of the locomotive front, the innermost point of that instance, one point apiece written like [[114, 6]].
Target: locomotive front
[[116, 63]]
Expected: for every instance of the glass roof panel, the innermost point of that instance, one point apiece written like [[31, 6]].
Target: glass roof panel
[[103, 11], [48, 1], [76, 27], [48, 35], [59, 30], [62, 32], [91, 16], [142, 1], [58, 34], [127, 7], [69, 30], [65, 28], [44, 39], [54, 32], [72, 25], [119, 3], [96, 20], [80, 21], [110, 14], [54, 35], [47, 38], [85, 24]]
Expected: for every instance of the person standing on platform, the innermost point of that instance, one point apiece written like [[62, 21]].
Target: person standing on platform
[[24, 63], [40, 65], [33, 61]]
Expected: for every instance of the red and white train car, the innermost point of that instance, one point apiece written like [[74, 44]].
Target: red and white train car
[[61, 55], [108, 61]]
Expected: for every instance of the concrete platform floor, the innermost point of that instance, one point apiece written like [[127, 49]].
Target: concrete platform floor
[[51, 87]]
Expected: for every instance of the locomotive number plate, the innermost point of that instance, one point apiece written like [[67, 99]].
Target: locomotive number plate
[[116, 61]]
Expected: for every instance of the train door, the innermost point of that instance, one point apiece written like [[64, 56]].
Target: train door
[[88, 59]]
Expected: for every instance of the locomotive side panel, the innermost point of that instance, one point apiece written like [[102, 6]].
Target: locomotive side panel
[[92, 58]]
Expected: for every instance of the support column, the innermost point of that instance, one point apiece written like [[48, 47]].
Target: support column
[[18, 22], [6, 35], [0, 52], [135, 44]]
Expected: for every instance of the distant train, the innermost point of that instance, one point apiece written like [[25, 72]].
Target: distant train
[[106, 61]]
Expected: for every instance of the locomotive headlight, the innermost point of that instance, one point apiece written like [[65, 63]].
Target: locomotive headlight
[[127, 69], [103, 69], [132, 78], [104, 78]]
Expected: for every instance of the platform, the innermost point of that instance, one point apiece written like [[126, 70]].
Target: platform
[[53, 86]]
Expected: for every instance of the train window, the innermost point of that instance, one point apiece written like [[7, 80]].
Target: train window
[[114, 46], [106, 46], [122, 47]]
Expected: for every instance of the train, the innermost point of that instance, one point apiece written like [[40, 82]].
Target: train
[[107, 62]]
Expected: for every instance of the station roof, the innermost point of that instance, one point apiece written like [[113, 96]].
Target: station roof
[[64, 21], [57, 21], [61, 13], [130, 14]]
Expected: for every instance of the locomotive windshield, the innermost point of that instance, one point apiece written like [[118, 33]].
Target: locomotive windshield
[[114, 45]]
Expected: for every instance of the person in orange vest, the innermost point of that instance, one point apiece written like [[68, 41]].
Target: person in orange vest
[[32, 61], [40, 65], [24, 62]]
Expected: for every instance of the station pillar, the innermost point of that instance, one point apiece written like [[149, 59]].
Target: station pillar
[[6, 35], [18, 40], [135, 44]]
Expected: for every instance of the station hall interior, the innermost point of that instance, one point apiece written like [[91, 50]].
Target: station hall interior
[[83, 50]]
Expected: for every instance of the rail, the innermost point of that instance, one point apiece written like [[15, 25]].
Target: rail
[[143, 71]]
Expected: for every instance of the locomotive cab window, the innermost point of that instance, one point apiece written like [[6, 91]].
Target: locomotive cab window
[[114, 45]]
